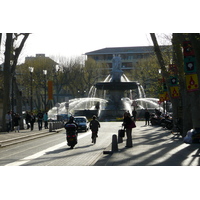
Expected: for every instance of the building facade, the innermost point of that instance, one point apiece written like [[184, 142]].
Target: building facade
[[129, 55]]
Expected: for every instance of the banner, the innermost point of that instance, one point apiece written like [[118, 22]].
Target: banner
[[174, 91], [50, 90], [192, 83], [187, 49], [161, 97], [166, 96], [190, 64]]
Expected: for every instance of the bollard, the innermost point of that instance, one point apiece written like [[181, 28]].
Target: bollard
[[50, 127], [114, 143], [120, 139]]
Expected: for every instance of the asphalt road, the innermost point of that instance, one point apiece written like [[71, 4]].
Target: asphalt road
[[53, 150]]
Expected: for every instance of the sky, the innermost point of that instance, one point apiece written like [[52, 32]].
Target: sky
[[72, 45], [73, 27]]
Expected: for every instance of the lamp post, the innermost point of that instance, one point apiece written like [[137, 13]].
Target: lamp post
[[57, 70], [31, 69], [45, 88]]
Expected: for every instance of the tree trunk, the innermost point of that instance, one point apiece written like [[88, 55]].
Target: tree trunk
[[195, 95], [0, 40], [7, 78], [184, 105]]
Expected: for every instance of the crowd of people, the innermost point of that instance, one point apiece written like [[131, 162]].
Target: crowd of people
[[14, 120]]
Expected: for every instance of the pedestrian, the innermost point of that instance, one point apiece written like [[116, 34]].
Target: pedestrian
[[127, 123], [94, 126], [45, 118], [27, 119], [134, 114], [16, 120], [147, 117], [8, 119], [40, 119], [32, 121]]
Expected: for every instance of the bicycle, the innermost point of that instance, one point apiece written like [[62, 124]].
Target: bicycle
[[94, 136], [177, 128]]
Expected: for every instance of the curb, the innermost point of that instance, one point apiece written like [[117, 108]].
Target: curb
[[32, 136]]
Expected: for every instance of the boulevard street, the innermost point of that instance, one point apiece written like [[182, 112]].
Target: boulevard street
[[53, 150]]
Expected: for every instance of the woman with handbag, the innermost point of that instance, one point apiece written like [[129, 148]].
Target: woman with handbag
[[128, 124]]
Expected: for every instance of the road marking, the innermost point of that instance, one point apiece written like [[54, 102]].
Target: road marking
[[43, 152]]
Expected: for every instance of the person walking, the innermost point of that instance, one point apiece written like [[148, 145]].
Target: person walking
[[32, 121], [16, 120], [94, 126], [27, 119], [127, 123], [147, 117], [45, 118], [8, 119], [40, 119]]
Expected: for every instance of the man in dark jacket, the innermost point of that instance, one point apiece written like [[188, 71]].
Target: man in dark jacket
[[147, 117], [40, 119], [27, 119], [94, 126]]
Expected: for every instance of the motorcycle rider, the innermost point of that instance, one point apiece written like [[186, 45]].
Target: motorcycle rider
[[71, 129], [71, 121]]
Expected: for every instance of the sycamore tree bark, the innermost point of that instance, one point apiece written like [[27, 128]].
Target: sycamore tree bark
[[166, 75], [0, 40], [189, 101], [11, 54], [7, 78], [17, 92], [195, 95], [184, 105]]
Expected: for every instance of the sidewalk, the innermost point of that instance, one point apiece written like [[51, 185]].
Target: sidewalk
[[152, 146], [23, 135]]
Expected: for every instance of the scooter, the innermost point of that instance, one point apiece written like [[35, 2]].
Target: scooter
[[156, 120], [71, 135]]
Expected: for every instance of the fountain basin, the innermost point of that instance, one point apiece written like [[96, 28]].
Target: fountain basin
[[116, 85]]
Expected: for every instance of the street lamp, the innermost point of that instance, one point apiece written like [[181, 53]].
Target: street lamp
[[45, 89], [31, 69], [57, 70]]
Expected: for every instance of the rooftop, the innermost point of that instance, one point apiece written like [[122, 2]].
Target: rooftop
[[122, 50]]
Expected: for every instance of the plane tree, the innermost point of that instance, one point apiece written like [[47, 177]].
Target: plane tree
[[14, 43], [186, 106]]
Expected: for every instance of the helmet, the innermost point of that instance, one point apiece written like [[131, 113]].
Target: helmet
[[71, 118]]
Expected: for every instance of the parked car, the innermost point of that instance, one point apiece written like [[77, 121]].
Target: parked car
[[82, 121]]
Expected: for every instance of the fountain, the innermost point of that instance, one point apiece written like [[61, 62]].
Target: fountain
[[116, 94]]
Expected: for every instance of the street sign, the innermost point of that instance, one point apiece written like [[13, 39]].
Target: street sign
[[192, 83], [189, 64], [66, 102]]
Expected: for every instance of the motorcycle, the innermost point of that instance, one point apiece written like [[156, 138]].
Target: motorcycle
[[168, 122], [71, 135], [156, 120]]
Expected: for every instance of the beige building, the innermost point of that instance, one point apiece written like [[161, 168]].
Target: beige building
[[129, 55]]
